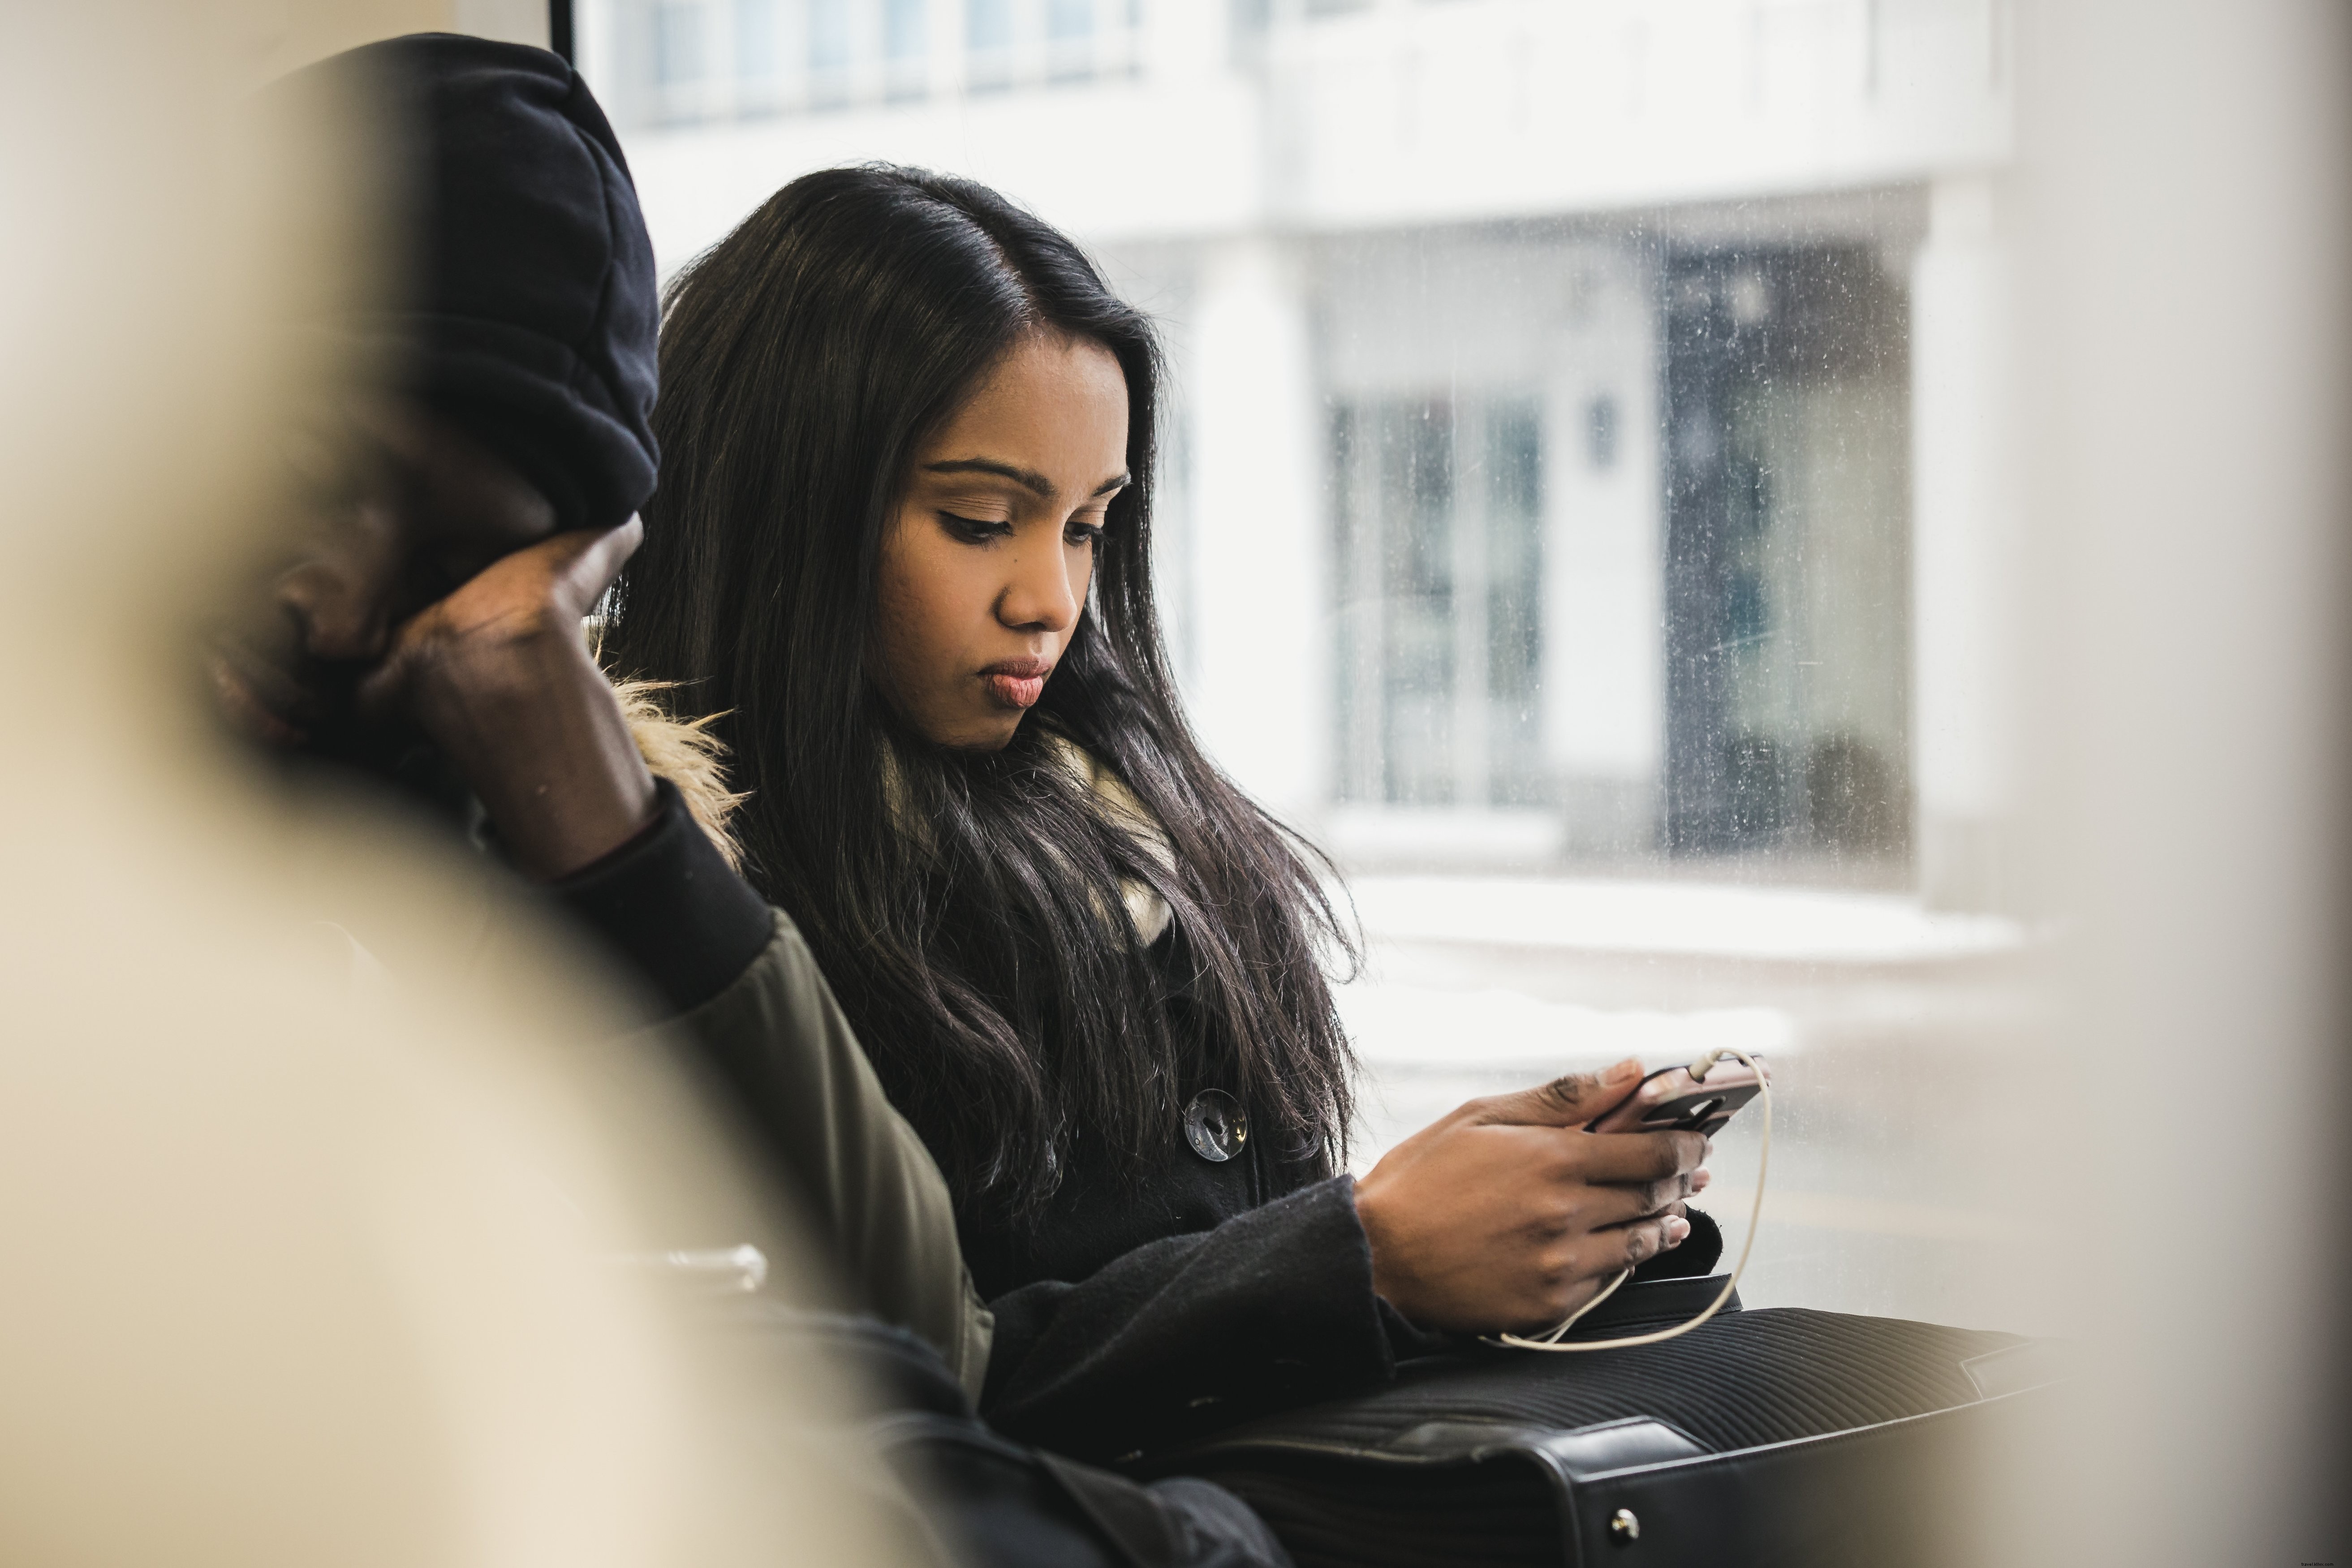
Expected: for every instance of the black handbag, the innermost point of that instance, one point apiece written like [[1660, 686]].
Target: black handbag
[[1770, 1436]]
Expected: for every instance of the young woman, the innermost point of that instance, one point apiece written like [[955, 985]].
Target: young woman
[[902, 545]]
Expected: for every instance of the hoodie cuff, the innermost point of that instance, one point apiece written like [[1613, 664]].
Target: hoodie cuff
[[667, 903]]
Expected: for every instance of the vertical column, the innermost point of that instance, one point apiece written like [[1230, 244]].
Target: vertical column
[[596, 46], [2190, 492], [1262, 614], [1605, 574], [1966, 585]]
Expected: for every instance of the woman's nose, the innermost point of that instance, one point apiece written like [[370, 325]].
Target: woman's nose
[[1040, 597]]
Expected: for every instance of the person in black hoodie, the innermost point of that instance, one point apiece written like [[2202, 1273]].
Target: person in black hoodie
[[422, 629], [901, 559]]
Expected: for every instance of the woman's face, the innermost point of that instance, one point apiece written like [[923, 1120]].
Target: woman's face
[[986, 562]]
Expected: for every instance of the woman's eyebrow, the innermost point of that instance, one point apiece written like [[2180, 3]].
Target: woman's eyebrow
[[1027, 479]]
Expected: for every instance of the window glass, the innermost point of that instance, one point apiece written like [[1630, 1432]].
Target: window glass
[[1564, 400], [677, 43], [987, 23], [829, 53], [758, 41], [904, 24]]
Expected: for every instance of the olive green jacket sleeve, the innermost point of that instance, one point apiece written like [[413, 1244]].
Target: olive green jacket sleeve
[[870, 1191]]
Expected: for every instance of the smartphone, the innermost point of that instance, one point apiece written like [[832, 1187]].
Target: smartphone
[[1671, 1100]]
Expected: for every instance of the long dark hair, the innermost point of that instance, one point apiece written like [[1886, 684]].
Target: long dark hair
[[965, 907]]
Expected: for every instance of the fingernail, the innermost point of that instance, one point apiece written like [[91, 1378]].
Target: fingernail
[[1677, 1228], [1629, 1067]]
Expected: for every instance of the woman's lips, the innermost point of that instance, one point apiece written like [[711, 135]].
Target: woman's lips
[[1016, 682]]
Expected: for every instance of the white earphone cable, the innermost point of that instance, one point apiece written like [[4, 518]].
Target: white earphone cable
[[1551, 1339]]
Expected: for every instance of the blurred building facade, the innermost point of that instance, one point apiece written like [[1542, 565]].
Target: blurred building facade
[[1586, 444]]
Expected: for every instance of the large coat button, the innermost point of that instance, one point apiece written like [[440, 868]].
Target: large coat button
[[1215, 1125]]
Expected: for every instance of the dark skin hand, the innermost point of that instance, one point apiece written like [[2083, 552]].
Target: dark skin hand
[[1506, 1215], [429, 584], [499, 674]]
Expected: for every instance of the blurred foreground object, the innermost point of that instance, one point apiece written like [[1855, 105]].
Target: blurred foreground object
[[301, 1269], [2189, 335]]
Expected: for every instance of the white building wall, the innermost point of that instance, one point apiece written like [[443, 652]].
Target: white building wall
[[1401, 116], [1261, 631], [1604, 575], [1485, 108], [1967, 581]]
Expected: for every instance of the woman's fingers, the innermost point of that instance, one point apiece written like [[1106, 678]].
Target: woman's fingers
[[1632, 1157], [1583, 1180], [1630, 1245], [1582, 1267], [1570, 1101], [1493, 1216], [1600, 1207]]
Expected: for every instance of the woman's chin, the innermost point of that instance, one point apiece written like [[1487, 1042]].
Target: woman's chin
[[992, 733]]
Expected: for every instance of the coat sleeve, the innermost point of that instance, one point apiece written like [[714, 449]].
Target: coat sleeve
[[733, 977], [1190, 1332], [869, 1189]]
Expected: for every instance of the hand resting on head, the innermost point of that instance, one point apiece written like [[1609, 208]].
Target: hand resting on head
[[499, 674]]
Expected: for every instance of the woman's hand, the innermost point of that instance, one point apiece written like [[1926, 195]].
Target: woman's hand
[[499, 676], [1508, 1215]]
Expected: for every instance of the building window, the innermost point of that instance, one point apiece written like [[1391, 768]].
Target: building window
[[759, 58], [989, 43], [1787, 572], [1069, 39], [1439, 567], [677, 43], [906, 50], [904, 35], [832, 46]]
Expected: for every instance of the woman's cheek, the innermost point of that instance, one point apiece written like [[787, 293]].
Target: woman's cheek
[[905, 601], [959, 624]]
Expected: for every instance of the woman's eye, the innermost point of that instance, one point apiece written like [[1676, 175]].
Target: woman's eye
[[973, 529], [1088, 533]]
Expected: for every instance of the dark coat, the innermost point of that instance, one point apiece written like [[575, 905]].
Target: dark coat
[[732, 979], [1144, 1306], [1143, 1311]]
